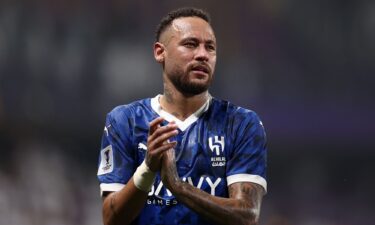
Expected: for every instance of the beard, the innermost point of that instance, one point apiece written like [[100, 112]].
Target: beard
[[187, 86]]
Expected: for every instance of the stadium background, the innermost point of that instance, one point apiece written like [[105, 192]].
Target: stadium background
[[306, 67]]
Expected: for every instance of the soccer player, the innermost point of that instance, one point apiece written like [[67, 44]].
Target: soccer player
[[183, 157]]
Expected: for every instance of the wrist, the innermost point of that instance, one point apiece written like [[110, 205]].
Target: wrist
[[176, 186], [143, 177]]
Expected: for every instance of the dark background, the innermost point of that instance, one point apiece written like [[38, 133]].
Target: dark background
[[306, 67]]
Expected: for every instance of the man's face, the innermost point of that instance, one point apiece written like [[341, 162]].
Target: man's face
[[190, 54]]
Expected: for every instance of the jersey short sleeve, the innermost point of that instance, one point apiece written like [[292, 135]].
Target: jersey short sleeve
[[247, 162], [117, 158]]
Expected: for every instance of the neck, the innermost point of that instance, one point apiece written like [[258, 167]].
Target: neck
[[179, 104]]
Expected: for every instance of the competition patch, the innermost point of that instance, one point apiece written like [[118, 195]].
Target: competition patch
[[106, 162]]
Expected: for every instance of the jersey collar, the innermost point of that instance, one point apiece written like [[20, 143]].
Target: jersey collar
[[182, 125]]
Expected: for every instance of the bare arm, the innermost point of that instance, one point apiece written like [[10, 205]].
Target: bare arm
[[123, 206], [242, 206]]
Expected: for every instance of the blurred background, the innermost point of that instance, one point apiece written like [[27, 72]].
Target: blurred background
[[306, 67]]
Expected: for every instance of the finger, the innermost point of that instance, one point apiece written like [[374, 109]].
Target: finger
[[164, 129], [159, 140], [158, 154], [154, 124], [161, 130], [160, 150]]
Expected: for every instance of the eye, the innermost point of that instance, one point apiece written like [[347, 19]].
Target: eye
[[211, 47], [190, 44]]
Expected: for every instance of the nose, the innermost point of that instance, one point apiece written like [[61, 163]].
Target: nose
[[201, 54]]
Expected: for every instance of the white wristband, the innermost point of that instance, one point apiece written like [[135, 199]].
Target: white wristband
[[144, 178]]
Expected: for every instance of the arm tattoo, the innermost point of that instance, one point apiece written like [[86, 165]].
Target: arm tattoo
[[251, 195], [242, 206]]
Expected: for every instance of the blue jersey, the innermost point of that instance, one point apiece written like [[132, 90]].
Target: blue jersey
[[218, 145]]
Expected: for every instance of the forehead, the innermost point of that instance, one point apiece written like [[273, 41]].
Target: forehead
[[188, 27]]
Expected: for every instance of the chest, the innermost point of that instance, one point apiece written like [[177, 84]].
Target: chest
[[202, 149]]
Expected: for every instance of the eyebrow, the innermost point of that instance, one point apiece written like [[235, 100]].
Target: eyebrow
[[197, 40]]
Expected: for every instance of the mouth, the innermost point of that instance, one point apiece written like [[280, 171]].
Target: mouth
[[201, 69]]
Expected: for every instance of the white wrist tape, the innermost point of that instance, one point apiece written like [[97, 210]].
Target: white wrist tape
[[144, 178]]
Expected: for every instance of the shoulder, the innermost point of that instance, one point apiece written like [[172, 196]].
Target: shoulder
[[233, 111], [126, 111]]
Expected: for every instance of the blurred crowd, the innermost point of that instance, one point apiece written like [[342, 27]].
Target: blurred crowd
[[306, 67]]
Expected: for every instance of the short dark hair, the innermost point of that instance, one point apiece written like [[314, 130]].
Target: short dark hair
[[178, 13]]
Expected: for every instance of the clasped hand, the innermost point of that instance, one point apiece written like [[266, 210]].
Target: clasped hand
[[160, 151]]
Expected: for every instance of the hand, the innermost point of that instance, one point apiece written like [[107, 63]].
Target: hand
[[169, 173], [157, 142]]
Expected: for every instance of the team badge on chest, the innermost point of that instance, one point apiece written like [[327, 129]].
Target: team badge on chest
[[216, 145]]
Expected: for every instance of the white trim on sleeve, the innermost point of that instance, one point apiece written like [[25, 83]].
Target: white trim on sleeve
[[110, 187], [243, 177]]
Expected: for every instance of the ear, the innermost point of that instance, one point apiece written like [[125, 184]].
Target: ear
[[159, 52]]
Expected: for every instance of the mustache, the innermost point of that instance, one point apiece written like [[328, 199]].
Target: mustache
[[202, 66]]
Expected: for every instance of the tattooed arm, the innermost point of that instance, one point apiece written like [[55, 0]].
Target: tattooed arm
[[242, 206]]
